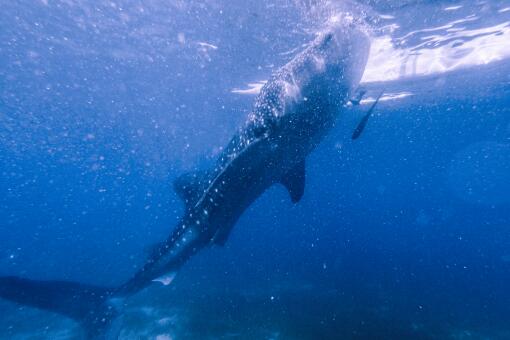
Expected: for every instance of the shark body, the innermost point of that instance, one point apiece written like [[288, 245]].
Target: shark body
[[293, 112]]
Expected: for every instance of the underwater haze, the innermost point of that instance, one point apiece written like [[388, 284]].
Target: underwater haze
[[403, 233]]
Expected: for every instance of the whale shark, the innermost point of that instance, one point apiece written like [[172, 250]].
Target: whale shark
[[293, 112]]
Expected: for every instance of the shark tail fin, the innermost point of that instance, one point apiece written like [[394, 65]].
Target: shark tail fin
[[91, 306]]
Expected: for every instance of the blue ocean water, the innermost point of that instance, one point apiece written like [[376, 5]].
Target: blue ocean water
[[403, 233]]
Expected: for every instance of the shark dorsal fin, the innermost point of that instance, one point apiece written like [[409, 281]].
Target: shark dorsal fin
[[294, 181], [188, 187]]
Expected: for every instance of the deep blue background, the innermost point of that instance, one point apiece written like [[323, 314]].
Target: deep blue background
[[402, 233]]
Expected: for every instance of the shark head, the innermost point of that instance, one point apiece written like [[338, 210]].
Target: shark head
[[333, 63], [318, 82], [339, 54]]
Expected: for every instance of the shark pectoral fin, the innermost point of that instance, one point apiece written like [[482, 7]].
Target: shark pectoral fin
[[361, 126], [221, 237], [166, 279], [294, 181], [188, 186]]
